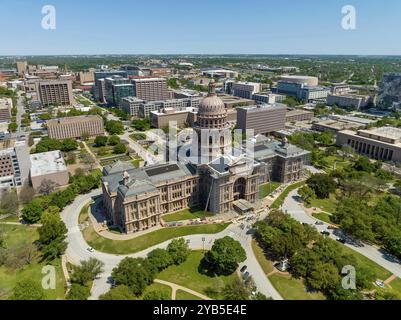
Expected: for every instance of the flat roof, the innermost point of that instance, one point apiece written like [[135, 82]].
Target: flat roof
[[386, 132], [73, 119], [47, 163]]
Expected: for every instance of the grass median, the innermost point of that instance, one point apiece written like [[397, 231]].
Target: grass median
[[280, 200], [147, 240]]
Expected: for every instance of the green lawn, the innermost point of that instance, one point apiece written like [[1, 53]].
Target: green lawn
[[378, 271], [12, 218], [268, 188], [323, 217], [293, 289], [187, 275], [186, 214], [158, 287], [279, 201], [266, 264], [183, 295], [396, 284], [148, 240], [17, 237], [328, 205]]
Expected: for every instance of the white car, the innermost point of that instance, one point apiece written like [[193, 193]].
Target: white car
[[90, 249]]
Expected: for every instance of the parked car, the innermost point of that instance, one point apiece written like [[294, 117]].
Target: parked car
[[246, 275], [319, 223], [243, 269], [325, 233], [90, 249], [342, 240]]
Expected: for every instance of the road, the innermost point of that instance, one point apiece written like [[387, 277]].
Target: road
[[378, 255], [77, 249]]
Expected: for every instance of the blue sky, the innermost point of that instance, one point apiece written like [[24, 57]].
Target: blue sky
[[205, 27]]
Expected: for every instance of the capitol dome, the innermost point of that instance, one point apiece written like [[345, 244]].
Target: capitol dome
[[212, 111]]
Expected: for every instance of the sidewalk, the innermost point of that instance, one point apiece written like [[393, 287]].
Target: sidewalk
[[176, 287]]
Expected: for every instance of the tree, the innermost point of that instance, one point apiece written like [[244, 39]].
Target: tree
[[121, 292], [32, 212], [47, 186], [114, 127], [160, 259], [78, 292], [225, 255], [52, 234], [324, 277], [87, 271], [236, 290], [9, 202], [364, 164], [307, 194], [156, 295], [178, 250], [12, 127], [136, 273], [27, 289], [322, 185], [101, 141], [141, 124], [119, 148], [114, 140], [26, 194], [88, 160], [69, 145]]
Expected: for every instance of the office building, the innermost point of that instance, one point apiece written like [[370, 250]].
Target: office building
[[117, 88], [298, 115], [151, 89], [48, 166], [389, 95], [100, 89], [263, 119], [245, 89], [349, 101], [22, 67], [335, 125], [75, 127], [86, 77], [131, 105], [183, 117], [54, 92], [14, 166], [379, 143], [6, 105], [269, 98], [302, 87]]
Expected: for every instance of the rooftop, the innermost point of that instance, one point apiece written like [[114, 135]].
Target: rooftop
[[83, 118], [47, 163]]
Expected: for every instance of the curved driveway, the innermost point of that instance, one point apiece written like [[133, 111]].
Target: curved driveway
[[378, 255], [77, 249]]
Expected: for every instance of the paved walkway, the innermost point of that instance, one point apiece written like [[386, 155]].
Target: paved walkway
[[35, 225], [175, 287]]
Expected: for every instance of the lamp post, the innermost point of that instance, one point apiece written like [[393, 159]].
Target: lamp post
[[203, 240]]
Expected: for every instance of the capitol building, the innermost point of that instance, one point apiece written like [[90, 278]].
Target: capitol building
[[213, 177]]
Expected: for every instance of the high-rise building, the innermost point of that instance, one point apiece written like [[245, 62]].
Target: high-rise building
[[118, 88], [14, 166], [55, 92], [22, 66], [245, 89], [75, 127], [263, 119], [389, 95], [6, 105], [100, 90], [151, 89]]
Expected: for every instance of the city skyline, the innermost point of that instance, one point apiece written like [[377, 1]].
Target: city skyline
[[178, 27]]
